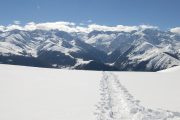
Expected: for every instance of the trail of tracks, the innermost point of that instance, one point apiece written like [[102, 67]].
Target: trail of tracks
[[117, 104]]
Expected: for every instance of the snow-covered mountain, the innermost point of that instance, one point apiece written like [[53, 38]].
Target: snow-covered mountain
[[43, 48], [142, 49]]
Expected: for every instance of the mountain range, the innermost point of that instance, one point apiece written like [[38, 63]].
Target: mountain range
[[145, 49]]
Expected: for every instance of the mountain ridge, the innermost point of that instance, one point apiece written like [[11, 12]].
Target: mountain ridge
[[138, 50]]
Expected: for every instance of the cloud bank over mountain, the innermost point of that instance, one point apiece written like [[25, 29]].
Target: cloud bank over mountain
[[73, 27], [175, 30]]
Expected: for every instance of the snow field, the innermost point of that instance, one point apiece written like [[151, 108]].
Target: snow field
[[28, 93]]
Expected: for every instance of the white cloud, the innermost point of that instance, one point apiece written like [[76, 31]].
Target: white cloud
[[30, 26], [110, 28], [175, 30], [17, 22], [148, 27], [72, 27], [2, 28], [13, 27], [126, 28], [65, 26], [82, 29]]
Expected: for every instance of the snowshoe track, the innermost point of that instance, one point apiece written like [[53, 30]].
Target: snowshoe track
[[116, 103]]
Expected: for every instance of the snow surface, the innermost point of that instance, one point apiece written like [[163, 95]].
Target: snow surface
[[118, 104], [29, 93], [173, 69]]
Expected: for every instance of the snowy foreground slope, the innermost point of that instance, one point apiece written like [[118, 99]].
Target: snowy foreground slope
[[173, 69], [28, 93]]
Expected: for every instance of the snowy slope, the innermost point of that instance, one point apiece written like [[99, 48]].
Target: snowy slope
[[31, 42], [138, 50], [45, 48], [47, 94], [143, 55], [52, 94], [118, 104], [154, 90], [173, 69]]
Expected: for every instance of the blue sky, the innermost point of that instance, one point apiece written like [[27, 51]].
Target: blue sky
[[162, 13]]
